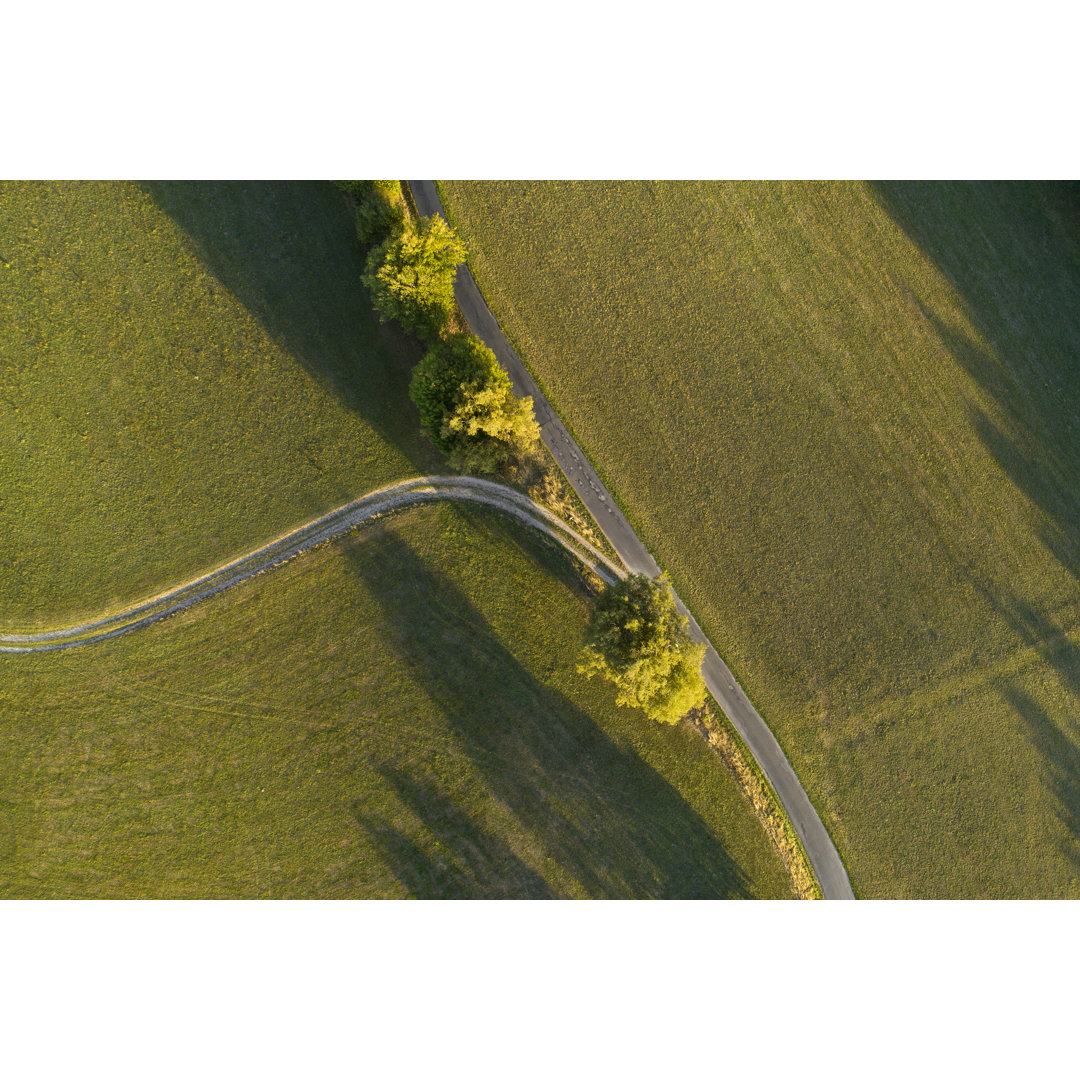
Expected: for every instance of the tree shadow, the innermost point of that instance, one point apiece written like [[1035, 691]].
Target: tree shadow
[[1012, 251], [596, 811], [1061, 755], [981, 236], [1059, 744], [451, 857], [289, 253], [1040, 454]]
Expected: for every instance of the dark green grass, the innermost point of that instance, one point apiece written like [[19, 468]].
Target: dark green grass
[[844, 418], [186, 370], [394, 714]]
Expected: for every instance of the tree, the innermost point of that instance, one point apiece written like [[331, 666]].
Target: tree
[[411, 276], [467, 404], [380, 208], [638, 641], [450, 364], [488, 423]]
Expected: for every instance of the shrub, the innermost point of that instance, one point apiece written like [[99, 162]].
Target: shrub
[[380, 208]]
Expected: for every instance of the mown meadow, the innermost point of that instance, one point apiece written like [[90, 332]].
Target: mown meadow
[[843, 417], [394, 714], [186, 370]]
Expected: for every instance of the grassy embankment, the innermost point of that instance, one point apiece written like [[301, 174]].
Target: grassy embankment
[[843, 417], [397, 713], [392, 714]]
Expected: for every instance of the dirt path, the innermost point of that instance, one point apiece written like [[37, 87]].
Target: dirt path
[[405, 493]]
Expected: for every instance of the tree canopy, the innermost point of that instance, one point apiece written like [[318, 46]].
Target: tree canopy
[[488, 423], [411, 276], [380, 208], [638, 641], [467, 404]]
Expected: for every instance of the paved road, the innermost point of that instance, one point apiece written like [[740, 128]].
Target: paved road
[[280, 550], [820, 849]]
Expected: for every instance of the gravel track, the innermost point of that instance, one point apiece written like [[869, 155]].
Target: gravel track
[[392, 497]]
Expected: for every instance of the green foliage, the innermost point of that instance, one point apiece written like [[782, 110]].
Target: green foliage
[[638, 641], [467, 404], [488, 424], [358, 189], [411, 277], [380, 208], [448, 365]]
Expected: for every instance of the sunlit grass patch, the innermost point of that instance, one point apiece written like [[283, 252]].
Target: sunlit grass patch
[[843, 417], [395, 714]]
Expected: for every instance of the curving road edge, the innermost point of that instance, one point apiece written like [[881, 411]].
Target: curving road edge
[[382, 500], [820, 849]]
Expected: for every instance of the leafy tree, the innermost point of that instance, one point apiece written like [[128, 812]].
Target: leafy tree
[[411, 276], [380, 208], [467, 404], [450, 364], [488, 423], [638, 641]]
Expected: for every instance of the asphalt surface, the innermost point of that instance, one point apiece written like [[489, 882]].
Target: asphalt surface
[[761, 742]]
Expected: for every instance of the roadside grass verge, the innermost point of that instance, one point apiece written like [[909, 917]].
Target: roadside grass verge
[[185, 369], [395, 714], [711, 724], [843, 417]]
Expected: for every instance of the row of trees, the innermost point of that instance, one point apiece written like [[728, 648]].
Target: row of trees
[[637, 640], [465, 397]]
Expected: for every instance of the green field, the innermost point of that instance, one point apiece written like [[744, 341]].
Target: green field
[[395, 714], [843, 417], [186, 370]]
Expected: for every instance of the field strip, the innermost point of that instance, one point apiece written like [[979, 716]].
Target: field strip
[[334, 523], [585, 480]]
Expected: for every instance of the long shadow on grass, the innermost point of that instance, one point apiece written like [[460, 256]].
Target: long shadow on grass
[[288, 252], [1059, 744], [597, 812], [452, 857], [1061, 754], [1012, 251]]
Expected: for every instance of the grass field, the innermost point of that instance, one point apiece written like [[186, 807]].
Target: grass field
[[843, 417], [186, 370], [394, 714]]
